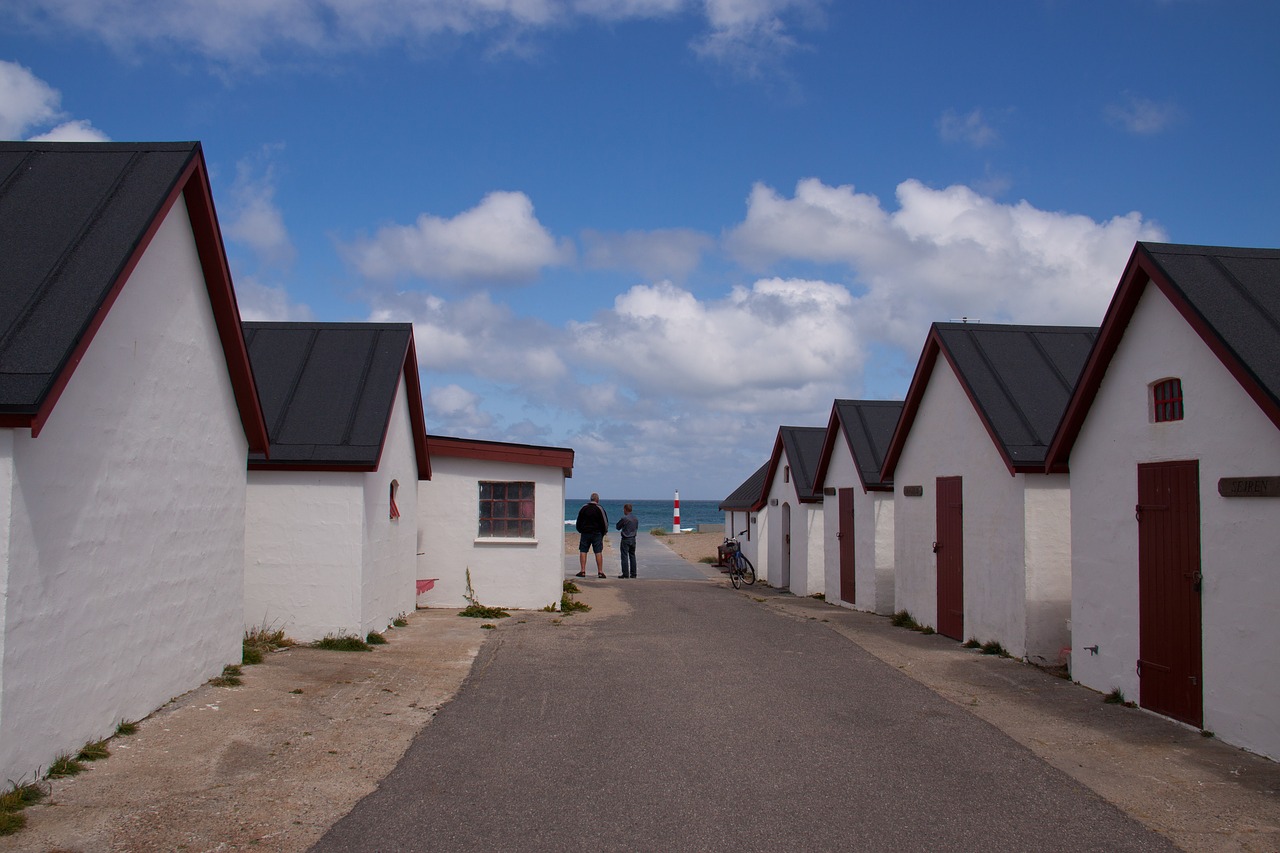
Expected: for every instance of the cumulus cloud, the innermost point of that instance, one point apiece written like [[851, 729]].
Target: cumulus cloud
[[28, 103], [971, 129], [664, 253], [745, 33], [661, 341], [454, 410], [260, 301], [498, 241], [255, 220], [944, 254], [1142, 116], [476, 336]]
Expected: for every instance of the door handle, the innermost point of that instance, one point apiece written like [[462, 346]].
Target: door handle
[[936, 547]]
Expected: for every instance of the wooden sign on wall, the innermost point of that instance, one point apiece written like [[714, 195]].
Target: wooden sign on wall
[[1249, 487]]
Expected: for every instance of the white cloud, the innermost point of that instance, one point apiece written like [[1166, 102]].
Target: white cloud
[[453, 410], [745, 33], [781, 343], [1142, 116], [27, 103], [498, 241], [259, 301], [478, 337], [664, 253], [255, 220], [971, 129], [945, 254]]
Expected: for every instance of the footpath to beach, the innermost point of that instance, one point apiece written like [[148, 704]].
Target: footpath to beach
[[276, 763]]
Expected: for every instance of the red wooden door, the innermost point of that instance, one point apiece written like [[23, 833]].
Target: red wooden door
[[1169, 665], [950, 550], [844, 533]]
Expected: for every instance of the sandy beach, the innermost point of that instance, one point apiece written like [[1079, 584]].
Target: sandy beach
[[691, 546]]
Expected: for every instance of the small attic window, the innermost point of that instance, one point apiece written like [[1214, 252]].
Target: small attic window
[[1166, 401], [395, 510], [786, 473]]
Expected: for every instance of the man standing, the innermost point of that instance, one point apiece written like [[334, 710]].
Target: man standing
[[593, 523], [628, 524]]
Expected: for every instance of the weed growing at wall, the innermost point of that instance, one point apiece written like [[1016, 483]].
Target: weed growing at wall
[[475, 609], [341, 643]]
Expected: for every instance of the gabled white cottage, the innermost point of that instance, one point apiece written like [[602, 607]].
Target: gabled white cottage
[[127, 408], [743, 511], [858, 523], [1173, 438], [331, 538], [792, 558], [981, 533], [495, 509]]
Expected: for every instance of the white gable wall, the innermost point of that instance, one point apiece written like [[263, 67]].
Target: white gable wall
[[391, 547], [872, 532], [303, 552], [513, 573], [948, 439], [806, 568], [125, 534], [1231, 437]]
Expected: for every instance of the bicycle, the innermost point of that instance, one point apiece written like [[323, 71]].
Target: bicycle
[[740, 569]]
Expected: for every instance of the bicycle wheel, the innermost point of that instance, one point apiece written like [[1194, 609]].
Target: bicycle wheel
[[748, 571], [735, 570]]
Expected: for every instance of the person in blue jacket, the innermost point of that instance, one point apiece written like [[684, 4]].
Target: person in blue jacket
[[628, 524]]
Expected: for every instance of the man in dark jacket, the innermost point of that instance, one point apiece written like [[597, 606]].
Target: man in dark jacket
[[593, 523]]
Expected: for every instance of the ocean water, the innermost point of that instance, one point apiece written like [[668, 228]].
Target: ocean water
[[651, 513]]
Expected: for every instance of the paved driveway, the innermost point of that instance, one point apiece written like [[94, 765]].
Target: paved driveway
[[688, 717]]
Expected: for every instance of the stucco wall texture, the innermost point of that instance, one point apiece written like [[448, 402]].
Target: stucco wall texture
[[1016, 551], [520, 574], [1230, 437], [872, 535], [124, 521]]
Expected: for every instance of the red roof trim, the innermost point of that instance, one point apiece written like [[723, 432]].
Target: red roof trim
[[915, 395], [1141, 270], [834, 423], [417, 419], [501, 451], [193, 185]]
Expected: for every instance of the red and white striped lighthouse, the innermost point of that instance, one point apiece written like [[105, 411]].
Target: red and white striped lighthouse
[[675, 523]]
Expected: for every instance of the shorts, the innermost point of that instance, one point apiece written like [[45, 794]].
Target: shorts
[[589, 541]]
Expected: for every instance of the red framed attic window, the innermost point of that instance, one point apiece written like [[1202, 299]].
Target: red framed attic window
[[1166, 401], [395, 510]]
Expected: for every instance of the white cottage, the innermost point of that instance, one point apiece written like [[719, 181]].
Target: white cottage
[[127, 408], [494, 509], [792, 558], [1173, 444], [858, 523], [331, 538], [743, 511], [981, 532]]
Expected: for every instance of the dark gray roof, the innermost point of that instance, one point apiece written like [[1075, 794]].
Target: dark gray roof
[[804, 449], [868, 427], [748, 496], [1237, 293], [71, 217], [1020, 378], [327, 390]]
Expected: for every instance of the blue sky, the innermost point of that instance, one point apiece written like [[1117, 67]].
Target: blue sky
[[655, 230]]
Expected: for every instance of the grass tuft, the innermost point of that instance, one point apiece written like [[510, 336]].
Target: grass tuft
[[993, 647], [230, 677], [341, 643], [657, 531], [11, 822], [258, 641], [903, 619], [400, 622], [971, 643], [18, 797], [62, 766], [926, 630], [570, 605], [821, 596], [375, 639], [1115, 697], [571, 588], [488, 626], [126, 728], [479, 611], [95, 751]]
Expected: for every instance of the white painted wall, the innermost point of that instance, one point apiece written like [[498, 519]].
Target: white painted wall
[[512, 573], [807, 569], [391, 547], [304, 552], [948, 439], [872, 532], [125, 545], [1230, 437]]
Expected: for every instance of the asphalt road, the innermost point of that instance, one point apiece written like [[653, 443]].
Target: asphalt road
[[695, 718]]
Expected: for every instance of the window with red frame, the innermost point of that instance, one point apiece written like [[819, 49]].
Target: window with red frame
[[395, 510], [1166, 400], [506, 510]]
